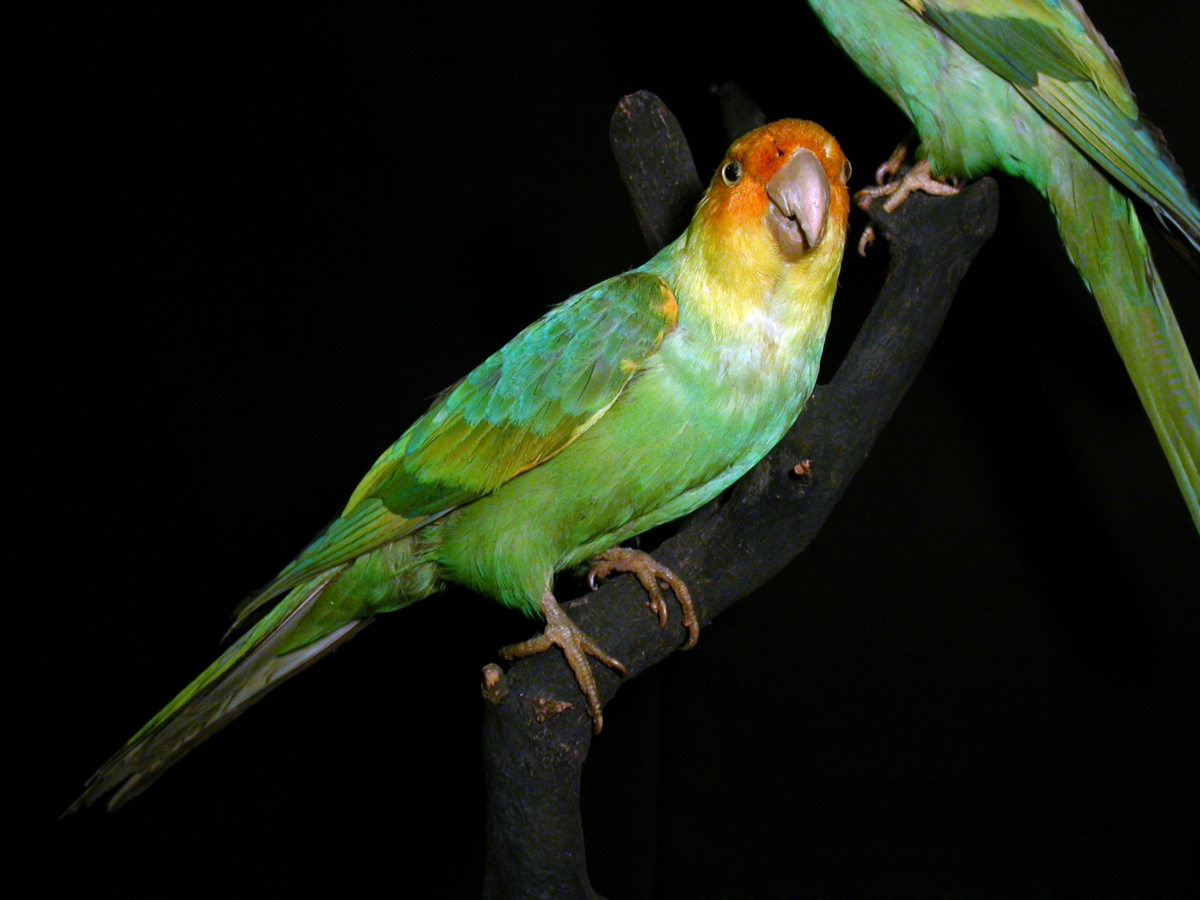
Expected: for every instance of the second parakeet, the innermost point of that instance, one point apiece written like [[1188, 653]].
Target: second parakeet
[[632, 403], [1031, 88]]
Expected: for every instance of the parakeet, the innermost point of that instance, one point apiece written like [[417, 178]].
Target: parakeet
[[632, 403], [1029, 87]]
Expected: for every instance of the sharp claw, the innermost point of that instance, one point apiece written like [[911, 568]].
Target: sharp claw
[[865, 197], [890, 166], [867, 239], [576, 646], [918, 178], [648, 572], [655, 600], [659, 606]]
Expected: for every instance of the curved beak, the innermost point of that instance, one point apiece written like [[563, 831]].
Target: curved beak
[[799, 195]]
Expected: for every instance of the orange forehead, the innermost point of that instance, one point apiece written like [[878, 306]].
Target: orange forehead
[[763, 151]]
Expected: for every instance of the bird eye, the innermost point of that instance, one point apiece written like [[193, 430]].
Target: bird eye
[[847, 169], [731, 172]]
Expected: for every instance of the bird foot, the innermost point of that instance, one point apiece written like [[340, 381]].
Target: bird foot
[[576, 646], [649, 571], [887, 170], [918, 178]]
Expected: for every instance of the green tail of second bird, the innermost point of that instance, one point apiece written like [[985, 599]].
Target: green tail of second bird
[[1104, 238]]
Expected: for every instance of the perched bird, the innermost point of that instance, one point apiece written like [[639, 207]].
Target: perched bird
[[1030, 87], [632, 403]]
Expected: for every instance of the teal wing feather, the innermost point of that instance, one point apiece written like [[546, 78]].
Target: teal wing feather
[[527, 402], [524, 405], [1053, 55], [521, 407]]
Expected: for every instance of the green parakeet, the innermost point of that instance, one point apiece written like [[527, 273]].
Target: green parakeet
[[1030, 87], [633, 403]]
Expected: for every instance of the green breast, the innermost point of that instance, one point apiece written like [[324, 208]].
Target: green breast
[[700, 416]]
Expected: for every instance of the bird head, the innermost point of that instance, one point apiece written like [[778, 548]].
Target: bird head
[[783, 187]]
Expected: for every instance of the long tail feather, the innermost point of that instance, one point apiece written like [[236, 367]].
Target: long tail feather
[[241, 676], [1105, 241]]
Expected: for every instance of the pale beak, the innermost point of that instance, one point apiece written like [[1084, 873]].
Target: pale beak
[[799, 195]]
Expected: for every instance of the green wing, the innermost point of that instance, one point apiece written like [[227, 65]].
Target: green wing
[[521, 407], [1052, 54]]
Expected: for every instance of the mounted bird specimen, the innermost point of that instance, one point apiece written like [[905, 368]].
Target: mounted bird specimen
[[631, 404], [1031, 88]]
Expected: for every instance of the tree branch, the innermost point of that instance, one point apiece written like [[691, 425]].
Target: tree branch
[[536, 727]]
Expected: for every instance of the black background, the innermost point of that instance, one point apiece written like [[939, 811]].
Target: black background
[[261, 240]]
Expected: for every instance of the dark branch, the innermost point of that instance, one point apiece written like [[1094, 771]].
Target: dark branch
[[656, 166], [739, 112], [536, 727]]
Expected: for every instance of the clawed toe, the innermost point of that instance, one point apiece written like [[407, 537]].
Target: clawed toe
[[576, 646], [890, 167], [918, 178], [648, 572]]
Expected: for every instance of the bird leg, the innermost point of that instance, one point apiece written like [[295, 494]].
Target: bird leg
[[576, 647], [648, 571]]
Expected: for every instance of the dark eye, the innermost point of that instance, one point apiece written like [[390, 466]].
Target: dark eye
[[731, 172], [847, 169]]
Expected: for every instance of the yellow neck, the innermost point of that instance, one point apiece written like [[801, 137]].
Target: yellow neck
[[742, 278]]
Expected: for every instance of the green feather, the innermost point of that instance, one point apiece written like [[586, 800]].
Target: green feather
[[1019, 50], [1077, 85], [622, 408], [526, 402], [1031, 88], [519, 408]]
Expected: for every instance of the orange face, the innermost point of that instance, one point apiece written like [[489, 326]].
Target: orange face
[[791, 172]]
